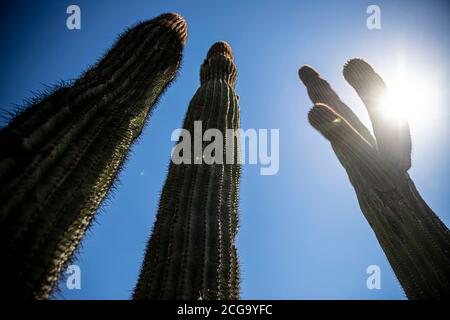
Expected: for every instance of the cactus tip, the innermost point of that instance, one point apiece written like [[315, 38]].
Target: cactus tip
[[354, 67], [176, 22], [307, 73], [321, 116], [220, 48]]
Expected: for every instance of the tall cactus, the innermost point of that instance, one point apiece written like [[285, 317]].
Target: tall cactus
[[191, 253], [415, 241], [62, 154]]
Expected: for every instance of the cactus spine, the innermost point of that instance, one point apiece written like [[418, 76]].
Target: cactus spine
[[62, 154], [415, 241], [191, 253]]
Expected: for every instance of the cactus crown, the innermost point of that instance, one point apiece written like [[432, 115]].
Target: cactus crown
[[174, 22], [219, 64]]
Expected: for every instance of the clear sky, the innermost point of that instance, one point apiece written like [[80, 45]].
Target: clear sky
[[302, 233]]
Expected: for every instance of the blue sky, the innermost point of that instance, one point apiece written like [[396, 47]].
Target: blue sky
[[302, 233]]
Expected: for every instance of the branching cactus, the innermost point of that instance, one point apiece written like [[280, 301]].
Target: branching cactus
[[191, 253], [415, 241], [62, 154]]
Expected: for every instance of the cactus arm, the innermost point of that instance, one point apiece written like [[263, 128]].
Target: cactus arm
[[320, 91], [393, 135]]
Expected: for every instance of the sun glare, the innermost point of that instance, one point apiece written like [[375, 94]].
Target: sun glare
[[410, 97]]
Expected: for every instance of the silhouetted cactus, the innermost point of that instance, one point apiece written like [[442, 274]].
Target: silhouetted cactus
[[191, 253], [415, 241], [62, 154]]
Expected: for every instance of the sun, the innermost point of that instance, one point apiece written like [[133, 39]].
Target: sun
[[410, 97]]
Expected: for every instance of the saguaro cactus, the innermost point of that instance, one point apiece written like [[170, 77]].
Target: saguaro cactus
[[415, 241], [191, 253], [62, 154]]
